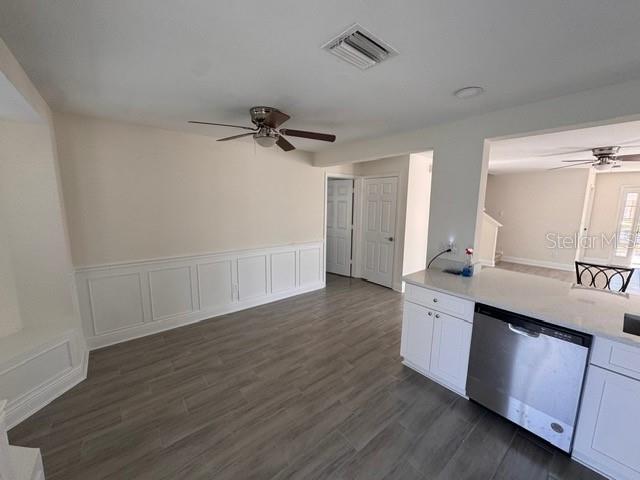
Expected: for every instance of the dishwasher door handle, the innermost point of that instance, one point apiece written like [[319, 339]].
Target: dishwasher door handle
[[523, 331]]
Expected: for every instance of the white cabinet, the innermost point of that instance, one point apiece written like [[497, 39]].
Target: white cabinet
[[608, 424], [417, 334], [435, 342], [450, 350]]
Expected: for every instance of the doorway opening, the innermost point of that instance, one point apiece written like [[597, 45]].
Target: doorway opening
[[377, 215], [554, 199]]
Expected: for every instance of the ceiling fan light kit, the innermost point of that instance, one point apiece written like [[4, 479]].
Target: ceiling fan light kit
[[266, 133], [266, 137]]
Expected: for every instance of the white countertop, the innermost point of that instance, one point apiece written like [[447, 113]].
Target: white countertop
[[587, 310]]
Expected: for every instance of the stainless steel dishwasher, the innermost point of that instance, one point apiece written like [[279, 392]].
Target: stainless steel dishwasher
[[528, 371]]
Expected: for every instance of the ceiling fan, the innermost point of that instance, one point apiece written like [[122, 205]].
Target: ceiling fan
[[603, 158], [266, 132]]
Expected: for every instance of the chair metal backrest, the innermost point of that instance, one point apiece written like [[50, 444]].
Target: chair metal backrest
[[602, 276]]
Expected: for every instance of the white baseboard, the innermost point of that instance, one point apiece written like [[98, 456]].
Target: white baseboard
[[123, 301], [43, 374], [597, 261], [487, 263], [568, 267]]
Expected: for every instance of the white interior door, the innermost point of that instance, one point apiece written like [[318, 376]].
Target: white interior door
[[380, 202], [339, 226]]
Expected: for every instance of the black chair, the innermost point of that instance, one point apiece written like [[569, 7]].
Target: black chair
[[607, 277]]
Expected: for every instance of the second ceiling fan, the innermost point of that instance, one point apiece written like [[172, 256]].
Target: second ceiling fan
[[266, 132], [603, 158]]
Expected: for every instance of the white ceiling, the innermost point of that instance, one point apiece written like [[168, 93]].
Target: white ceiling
[[541, 152], [163, 63]]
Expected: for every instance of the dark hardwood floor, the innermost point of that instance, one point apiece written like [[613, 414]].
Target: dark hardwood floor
[[309, 388]]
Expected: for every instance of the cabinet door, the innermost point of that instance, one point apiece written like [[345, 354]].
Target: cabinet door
[[450, 351], [608, 424], [417, 334]]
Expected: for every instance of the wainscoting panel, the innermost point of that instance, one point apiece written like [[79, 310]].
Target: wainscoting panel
[[252, 277], [48, 366], [283, 271], [311, 265], [124, 301], [39, 369], [116, 302], [215, 284], [171, 292]]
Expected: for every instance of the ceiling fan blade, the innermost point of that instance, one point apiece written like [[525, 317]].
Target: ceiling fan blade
[[569, 166], [325, 137], [629, 158], [284, 144], [581, 160], [223, 125], [234, 137], [276, 118], [566, 152]]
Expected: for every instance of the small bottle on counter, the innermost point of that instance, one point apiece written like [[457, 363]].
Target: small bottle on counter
[[467, 270]]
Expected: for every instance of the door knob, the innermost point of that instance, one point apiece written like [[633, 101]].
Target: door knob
[[390, 239]]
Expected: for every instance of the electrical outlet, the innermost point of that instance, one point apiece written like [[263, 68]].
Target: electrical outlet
[[450, 244]]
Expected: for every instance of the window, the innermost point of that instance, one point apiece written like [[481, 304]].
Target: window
[[627, 247]]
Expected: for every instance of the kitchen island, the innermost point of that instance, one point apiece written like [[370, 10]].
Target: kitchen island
[[438, 326]]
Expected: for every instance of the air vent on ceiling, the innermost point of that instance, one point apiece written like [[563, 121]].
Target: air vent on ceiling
[[359, 47]]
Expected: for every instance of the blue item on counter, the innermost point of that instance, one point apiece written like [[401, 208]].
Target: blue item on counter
[[467, 271]]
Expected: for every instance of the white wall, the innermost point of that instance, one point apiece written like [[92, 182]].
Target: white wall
[[459, 165], [344, 169], [604, 213], [530, 205], [136, 193], [417, 218], [10, 321], [33, 221]]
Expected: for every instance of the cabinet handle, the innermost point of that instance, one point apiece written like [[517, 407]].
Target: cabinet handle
[[435, 300], [430, 313], [437, 315]]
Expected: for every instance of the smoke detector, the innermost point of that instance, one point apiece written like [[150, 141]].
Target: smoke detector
[[359, 47]]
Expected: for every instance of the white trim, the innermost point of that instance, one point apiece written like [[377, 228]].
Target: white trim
[[567, 267], [112, 322], [179, 258], [487, 263], [68, 374], [341, 176], [587, 210]]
